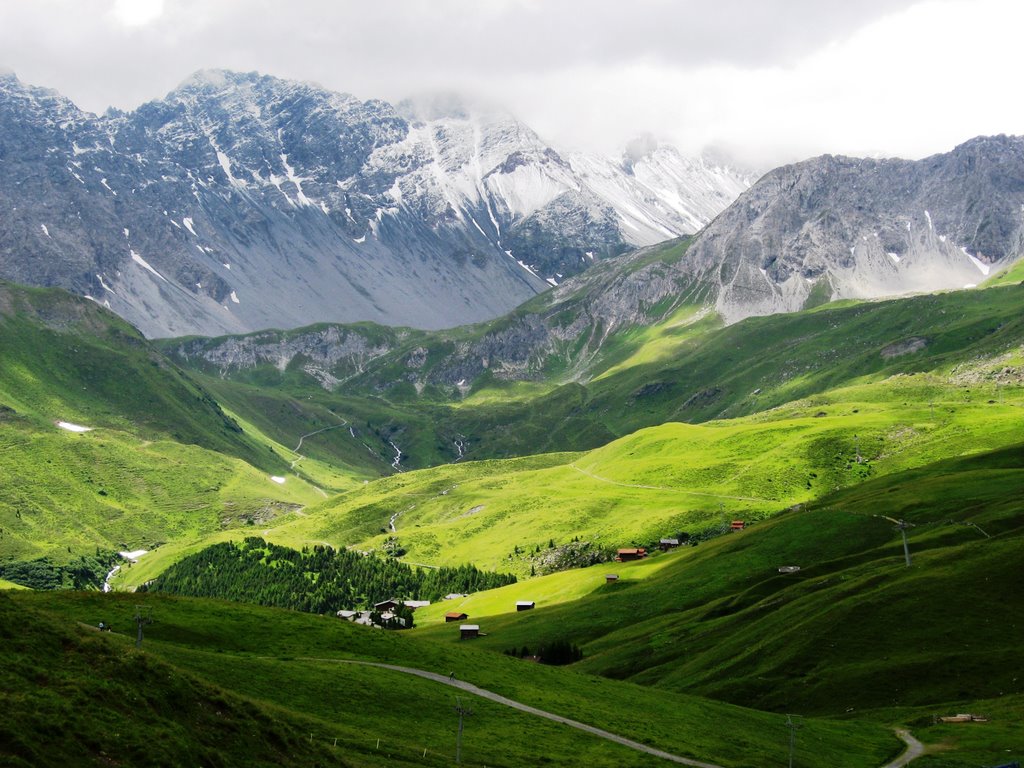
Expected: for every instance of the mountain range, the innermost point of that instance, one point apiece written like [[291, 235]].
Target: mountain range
[[241, 201]]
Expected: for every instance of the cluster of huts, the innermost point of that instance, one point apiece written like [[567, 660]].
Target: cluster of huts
[[385, 610]]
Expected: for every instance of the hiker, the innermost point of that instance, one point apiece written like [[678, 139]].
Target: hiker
[[451, 678]]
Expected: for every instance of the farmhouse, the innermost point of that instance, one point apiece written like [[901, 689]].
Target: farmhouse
[[387, 605], [630, 553], [414, 604], [525, 605], [467, 631], [455, 616]]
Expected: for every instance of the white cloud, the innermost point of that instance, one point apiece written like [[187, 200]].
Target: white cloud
[[771, 80], [137, 13]]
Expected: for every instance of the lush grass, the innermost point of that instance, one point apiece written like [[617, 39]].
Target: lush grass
[[853, 630], [10, 585], [677, 366], [65, 358], [1014, 274], [675, 477], [74, 696], [292, 660], [67, 493]]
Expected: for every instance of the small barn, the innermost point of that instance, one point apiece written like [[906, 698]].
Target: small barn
[[666, 544], [467, 631], [611, 578], [525, 605], [454, 616], [414, 604], [737, 525], [347, 615], [630, 553]]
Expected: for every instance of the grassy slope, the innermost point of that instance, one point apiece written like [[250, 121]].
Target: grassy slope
[[853, 630], [681, 368], [163, 460], [668, 478], [290, 660], [74, 696], [67, 359]]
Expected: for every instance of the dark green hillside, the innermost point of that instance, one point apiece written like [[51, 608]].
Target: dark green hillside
[[854, 628], [74, 696], [64, 358]]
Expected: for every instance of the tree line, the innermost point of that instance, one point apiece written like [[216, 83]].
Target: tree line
[[317, 580]]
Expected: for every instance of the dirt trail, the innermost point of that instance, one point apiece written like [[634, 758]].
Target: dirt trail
[[914, 750]]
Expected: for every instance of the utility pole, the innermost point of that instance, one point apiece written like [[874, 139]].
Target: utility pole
[[793, 728], [901, 526], [140, 621], [462, 712]]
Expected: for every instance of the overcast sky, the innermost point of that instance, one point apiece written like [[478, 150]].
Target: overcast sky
[[769, 80]]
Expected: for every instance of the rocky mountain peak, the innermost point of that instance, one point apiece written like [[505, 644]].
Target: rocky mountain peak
[[243, 201]]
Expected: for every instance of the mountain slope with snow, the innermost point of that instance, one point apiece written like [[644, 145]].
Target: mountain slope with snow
[[241, 201]]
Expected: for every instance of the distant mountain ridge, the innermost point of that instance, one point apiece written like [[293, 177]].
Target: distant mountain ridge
[[242, 201], [847, 228], [824, 229]]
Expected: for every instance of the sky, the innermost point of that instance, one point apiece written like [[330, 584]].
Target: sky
[[765, 81]]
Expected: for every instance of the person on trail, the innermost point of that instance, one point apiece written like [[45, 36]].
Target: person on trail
[[451, 678]]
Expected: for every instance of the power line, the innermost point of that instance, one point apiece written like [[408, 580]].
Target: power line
[[793, 728], [140, 621], [462, 712]]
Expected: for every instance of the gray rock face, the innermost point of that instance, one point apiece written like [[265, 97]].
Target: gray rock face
[[241, 202], [838, 227], [826, 228]]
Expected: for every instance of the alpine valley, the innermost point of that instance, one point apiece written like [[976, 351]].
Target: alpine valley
[[390, 435]]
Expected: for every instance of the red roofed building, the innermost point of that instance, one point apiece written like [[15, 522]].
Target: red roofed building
[[630, 553]]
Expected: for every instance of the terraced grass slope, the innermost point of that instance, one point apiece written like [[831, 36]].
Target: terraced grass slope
[[74, 696], [292, 665]]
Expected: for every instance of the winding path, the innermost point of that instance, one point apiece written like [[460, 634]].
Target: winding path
[[914, 750], [317, 432], [490, 695]]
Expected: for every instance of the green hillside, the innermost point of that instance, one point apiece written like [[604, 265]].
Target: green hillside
[[269, 661], [67, 359], [666, 479], [108, 446], [682, 367], [854, 629]]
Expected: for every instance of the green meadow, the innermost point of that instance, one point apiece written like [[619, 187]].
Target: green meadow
[[818, 429]]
